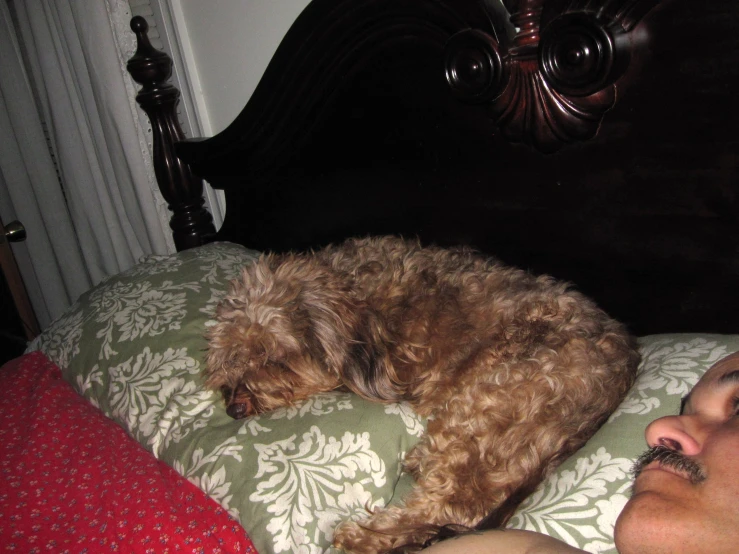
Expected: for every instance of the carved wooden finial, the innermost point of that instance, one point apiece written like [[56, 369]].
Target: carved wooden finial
[[191, 223], [148, 66]]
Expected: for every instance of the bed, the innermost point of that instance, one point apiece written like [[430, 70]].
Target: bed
[[592, 140]]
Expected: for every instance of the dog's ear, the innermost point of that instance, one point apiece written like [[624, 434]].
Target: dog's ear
[[368, 370]]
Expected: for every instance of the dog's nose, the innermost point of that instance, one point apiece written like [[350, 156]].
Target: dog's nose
[[238, 410]]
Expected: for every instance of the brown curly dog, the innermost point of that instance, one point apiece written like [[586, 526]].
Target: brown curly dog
[[514, 371]]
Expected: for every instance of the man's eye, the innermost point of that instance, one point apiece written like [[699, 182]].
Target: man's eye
[[735, 406]]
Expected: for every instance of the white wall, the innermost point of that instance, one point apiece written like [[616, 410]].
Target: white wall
[[227, 45]]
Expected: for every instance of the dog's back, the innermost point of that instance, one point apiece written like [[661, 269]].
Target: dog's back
[[516, 371]]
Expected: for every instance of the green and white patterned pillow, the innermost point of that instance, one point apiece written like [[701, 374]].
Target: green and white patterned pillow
[[134, 347], [580, 502]]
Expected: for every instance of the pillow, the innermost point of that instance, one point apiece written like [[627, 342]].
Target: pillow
[[134, 347], [580, 502]]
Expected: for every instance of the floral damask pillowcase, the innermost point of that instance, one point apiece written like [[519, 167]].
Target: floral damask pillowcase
[[580, 502], [134, 347]]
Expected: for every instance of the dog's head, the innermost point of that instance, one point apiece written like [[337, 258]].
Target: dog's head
[[260, 368], [280, 334]]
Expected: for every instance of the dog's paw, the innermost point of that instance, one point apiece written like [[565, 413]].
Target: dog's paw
[[352, 538]]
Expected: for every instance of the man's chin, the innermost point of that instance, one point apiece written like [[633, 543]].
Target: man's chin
[[648, 524]]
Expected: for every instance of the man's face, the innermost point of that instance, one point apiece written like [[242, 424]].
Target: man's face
[[681, 506]]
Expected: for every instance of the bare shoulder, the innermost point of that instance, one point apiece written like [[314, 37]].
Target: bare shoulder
[[509, 541]]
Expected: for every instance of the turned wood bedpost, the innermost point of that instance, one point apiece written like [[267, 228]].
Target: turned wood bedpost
[[191, 223]]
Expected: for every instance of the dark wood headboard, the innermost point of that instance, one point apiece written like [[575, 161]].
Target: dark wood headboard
[[593, 140]]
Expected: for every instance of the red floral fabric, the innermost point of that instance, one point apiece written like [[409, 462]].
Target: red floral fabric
[[71, 480]]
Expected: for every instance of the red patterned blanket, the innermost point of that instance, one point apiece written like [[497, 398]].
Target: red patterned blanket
[[73, 481]]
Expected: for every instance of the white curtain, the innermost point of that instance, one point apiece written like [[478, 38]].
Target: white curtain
[[74, 163]]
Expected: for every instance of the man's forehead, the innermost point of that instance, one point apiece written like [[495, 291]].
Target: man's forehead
[[723, 372], [732, 360], [718, 372]]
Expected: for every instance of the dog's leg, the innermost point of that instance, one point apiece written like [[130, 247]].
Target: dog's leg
[[456, 482], [447, 491], [507, 425], [281, 334]]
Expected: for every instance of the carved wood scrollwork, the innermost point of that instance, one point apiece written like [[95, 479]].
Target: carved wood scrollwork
[[550, 86]]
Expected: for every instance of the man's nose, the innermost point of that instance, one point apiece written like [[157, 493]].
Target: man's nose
[[675, 433]]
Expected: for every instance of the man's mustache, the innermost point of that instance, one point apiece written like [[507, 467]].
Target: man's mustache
[[667, 457]]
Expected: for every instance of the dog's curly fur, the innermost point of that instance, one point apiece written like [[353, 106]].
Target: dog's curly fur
[[514, 371]]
